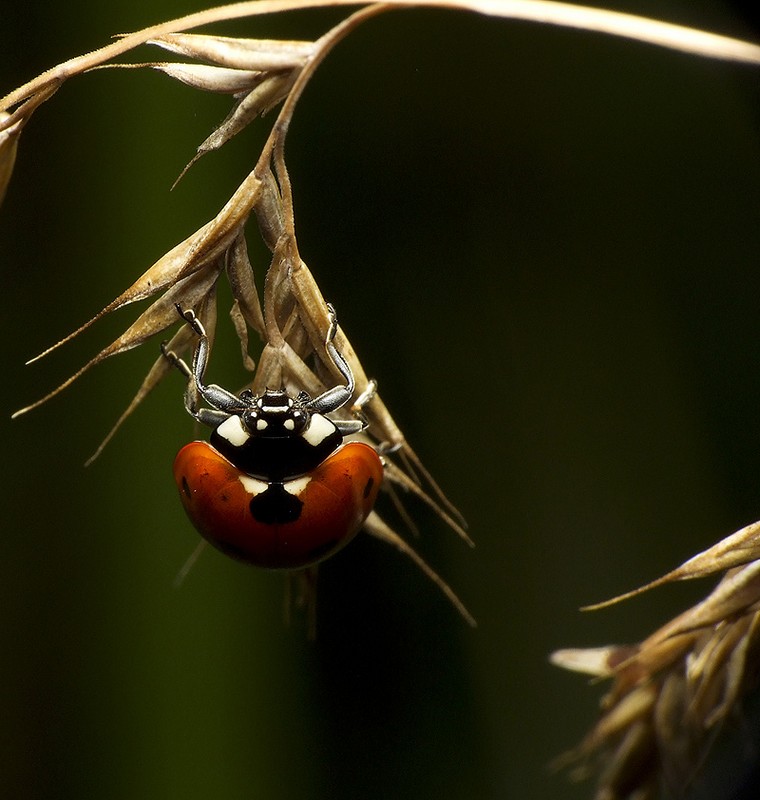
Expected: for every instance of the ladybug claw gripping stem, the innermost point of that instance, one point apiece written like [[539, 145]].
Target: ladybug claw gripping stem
[[191, 319], [175, 360], [364, 397], [332, 330]]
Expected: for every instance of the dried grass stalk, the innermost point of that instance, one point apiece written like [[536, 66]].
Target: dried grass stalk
[[290, 315]]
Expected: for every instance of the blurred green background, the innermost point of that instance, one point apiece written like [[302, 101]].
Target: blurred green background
[[544, 246]]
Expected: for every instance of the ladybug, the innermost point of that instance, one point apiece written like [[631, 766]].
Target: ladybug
[[276, 486]]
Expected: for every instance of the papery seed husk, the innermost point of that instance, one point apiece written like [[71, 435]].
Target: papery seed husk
[[269, 212], [258, 101], [238, 53], [266, 94], [220, 80], [8, 149], [632, 757], [243, 284], [588, 660], [241, 329]]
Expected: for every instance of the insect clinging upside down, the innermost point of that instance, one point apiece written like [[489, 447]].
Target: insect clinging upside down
[[276, 486]]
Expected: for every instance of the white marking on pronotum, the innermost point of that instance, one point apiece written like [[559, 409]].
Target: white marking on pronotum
[[261, 424], [233, 431], [277, 409], [253, 485], [297, 485], [289, 425], [319, 429]]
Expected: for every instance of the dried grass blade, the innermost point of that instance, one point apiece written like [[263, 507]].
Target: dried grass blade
[[733, 551], [406, 517], [736, 593], [400, 478], [182, 341], [377, 528], [191, 561], [159, 316], [409, 455], [193, 254], [266, 94], [160, 369]]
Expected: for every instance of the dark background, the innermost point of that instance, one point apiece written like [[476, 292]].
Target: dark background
[[542, 243]]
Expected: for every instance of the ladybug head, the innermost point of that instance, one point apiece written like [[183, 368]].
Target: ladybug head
[[274, 414]]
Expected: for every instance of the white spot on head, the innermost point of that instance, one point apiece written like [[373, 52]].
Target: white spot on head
[[233, 431], [253, 485], [297, 485], [319, 429], [289, 425], [261, 424]]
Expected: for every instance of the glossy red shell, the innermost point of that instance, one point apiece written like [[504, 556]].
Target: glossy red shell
[[337, 498]]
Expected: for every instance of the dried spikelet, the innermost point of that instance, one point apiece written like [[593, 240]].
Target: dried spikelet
[[291, 318], [218, 80], [267, 92], [672, 692], [261, 55]]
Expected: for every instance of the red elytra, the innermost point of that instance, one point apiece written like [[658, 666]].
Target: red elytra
[[286, 525]]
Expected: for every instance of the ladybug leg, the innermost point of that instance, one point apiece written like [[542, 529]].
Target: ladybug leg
[[349, 426], [179, 364], [338, 396], [220, 399], [208, 416], [176, 361]]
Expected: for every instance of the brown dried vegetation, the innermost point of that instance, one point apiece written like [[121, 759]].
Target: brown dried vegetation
[[671, 691]]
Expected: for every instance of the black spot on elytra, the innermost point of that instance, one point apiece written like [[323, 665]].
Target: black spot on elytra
[[368, 487], [275, 506], [185, 487]]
